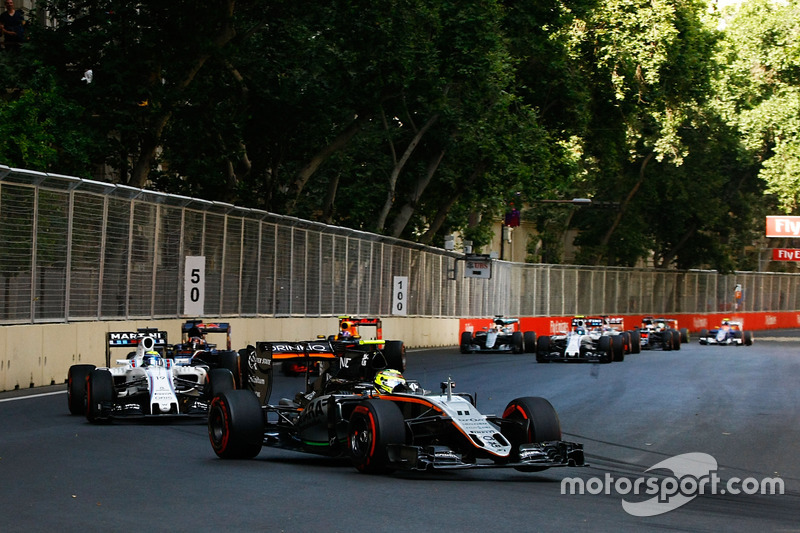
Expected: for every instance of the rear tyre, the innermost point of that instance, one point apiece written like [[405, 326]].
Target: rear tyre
[[373, 425], [636, 341], [230, 360], [99, 396], [466, 342], [236, 425], [703, 335], [684, 335], [219, 380], [666, 340], [542, 424], [517, 342], [748, 338], [76, 388], [676, 339], [395, 353]]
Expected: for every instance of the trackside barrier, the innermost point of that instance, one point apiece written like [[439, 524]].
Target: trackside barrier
[[40, 354], [693, 322]]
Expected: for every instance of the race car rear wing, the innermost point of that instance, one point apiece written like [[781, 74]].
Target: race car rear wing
[[202, 328], [131, 339], [260, 367]]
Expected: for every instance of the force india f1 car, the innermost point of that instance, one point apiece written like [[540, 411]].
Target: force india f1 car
[[144, 384], [729, 332], [585, 341], [502, 336], [405, 429]]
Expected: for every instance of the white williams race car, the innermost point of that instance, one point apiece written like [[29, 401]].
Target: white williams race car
[[144, 384]]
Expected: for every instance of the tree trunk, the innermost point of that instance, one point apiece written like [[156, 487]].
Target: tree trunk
[[607, 237], [320, 157], [402, 218], [147, 153], [441, 215], [387, 206]]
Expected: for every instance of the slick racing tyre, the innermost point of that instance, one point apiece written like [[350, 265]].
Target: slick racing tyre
[[466, 342], [517, 342], [373, 425], [542, 425], [395, 354], [636, 341], [530, 341], [76, 388], [219, 380], [99, 396], [542, 349], [236, 425], [230, 360], [676, 339], [606, 349]]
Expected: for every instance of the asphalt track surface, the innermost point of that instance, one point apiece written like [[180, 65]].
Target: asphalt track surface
[[739, 405]]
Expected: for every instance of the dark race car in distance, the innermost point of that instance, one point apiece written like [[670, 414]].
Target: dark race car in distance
[[503, 335], [195, 348], [663, 333]]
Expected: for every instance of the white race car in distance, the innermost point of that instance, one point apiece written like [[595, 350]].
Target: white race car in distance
[[144, 384]]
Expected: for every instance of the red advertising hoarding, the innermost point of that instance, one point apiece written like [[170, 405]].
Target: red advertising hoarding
[[783, 226], [785, 254]]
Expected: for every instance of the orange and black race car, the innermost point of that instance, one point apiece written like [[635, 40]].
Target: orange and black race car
[[349, 334], [384, 424]]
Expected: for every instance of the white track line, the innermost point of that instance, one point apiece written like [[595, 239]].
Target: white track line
[[32, 396]]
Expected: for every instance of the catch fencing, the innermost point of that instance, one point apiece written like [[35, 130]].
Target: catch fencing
[[73, 249]]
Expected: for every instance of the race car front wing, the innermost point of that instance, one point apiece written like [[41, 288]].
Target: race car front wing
[[533, 455]]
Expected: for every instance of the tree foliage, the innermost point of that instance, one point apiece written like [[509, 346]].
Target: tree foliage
[[418, 118]]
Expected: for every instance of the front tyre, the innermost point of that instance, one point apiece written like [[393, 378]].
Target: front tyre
[[76, 388], [99, 396], [542, 348], [236, 425], [606, 349], [373, 425], [530, 341], [539, 423]]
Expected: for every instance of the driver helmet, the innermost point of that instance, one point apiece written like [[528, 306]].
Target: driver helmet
[[196, 343], [389, 381], [151, 358]]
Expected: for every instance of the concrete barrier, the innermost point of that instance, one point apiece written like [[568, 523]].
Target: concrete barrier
[[37, 355]]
